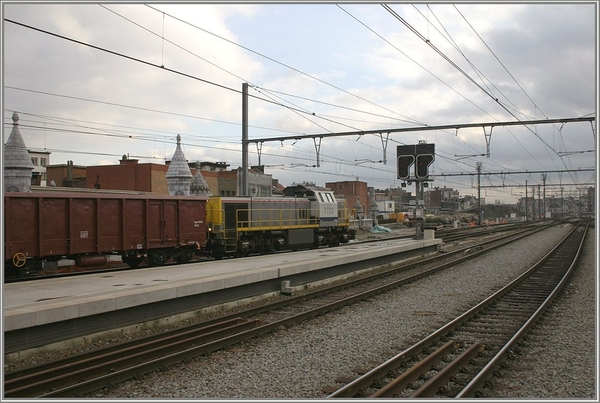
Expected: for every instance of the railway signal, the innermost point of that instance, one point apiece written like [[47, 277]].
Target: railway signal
[[421, 155], [423, 163], [404, 164]]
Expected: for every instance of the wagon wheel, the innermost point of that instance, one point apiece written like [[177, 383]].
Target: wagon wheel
[[133, 262], [156, 258], [185, 257], [19, 259]]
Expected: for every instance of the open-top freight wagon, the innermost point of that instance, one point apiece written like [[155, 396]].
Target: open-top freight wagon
[[42, 228], [88, 227]]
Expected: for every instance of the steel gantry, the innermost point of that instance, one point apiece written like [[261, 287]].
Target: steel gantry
[[317, 138]]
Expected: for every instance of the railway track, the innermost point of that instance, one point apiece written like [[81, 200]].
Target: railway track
[[88, 372], [459, 359], [450, 235]]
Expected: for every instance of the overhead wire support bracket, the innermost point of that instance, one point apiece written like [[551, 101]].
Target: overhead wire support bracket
[[318, 148], [259, 151], [384, 144], [488, 139]]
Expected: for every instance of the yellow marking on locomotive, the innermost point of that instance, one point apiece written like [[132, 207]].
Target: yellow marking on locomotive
[[214, 212], [274, 219], [265, 219]]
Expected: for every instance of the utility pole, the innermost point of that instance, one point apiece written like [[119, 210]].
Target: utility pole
[[244, 139], [420, 222], [539, 201], [544, 182], [533, 203], [479, 191], [562, 204], [526, 213]]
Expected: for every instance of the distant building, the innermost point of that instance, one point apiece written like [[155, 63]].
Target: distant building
[[386, 207], [526, 206], [18, 167], [442, 200], [179, 176], [40, 160], [353, 192], [199, 187], [66, 175], [130, 175]]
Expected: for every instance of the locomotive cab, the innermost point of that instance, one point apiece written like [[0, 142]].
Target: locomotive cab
[[324, 206]]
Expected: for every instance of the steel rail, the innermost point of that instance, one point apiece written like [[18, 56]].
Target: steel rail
[[366, 380], [93, 365], [167, 359], [487, 372]]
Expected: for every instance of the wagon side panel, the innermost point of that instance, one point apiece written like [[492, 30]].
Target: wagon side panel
[[110, 225], [83, 225], [54, 217], [21, 226], [192, 222], [134, 224]]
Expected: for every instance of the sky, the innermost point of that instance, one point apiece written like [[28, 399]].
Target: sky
[[92, 82]]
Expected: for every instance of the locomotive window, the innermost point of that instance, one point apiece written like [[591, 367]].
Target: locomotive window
[[321, 197]]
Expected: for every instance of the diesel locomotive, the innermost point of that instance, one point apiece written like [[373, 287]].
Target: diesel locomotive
[[306, 217], [41, 228]]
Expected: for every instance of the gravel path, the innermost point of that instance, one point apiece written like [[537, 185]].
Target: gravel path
[[302, 361]]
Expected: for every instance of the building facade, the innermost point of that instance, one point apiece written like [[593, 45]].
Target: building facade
[[40, 160], [353, 192]]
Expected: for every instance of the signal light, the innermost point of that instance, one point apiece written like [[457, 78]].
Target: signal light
[[404, 164], [423, 162]]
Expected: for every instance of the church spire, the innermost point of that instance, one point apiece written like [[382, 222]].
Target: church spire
[[179, 176], [17, 162]]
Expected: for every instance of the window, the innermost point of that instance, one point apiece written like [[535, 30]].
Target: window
[[34, 160], [43, 161]]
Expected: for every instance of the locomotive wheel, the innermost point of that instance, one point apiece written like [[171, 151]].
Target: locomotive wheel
[[335, 241], [241, 253], [19, 259]]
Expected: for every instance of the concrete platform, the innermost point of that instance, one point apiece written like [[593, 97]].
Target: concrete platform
[[34, 304]]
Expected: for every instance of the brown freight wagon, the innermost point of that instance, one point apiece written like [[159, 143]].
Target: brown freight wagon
[[87, 227]]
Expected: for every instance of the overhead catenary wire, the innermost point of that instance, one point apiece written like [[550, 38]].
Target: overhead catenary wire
[[296, 110], [443, 82], [146, 63], [115, 53], [275, 61], [438, 51]]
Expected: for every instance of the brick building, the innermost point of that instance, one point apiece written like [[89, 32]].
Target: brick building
[[130, 175], [67, 175], [353, 191]]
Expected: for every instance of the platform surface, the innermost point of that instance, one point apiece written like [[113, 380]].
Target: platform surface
[[35, 303]]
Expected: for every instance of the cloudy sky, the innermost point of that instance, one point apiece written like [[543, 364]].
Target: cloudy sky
[[92, 82]]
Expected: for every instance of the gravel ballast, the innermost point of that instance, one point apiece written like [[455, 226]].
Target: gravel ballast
[[302, 361]]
